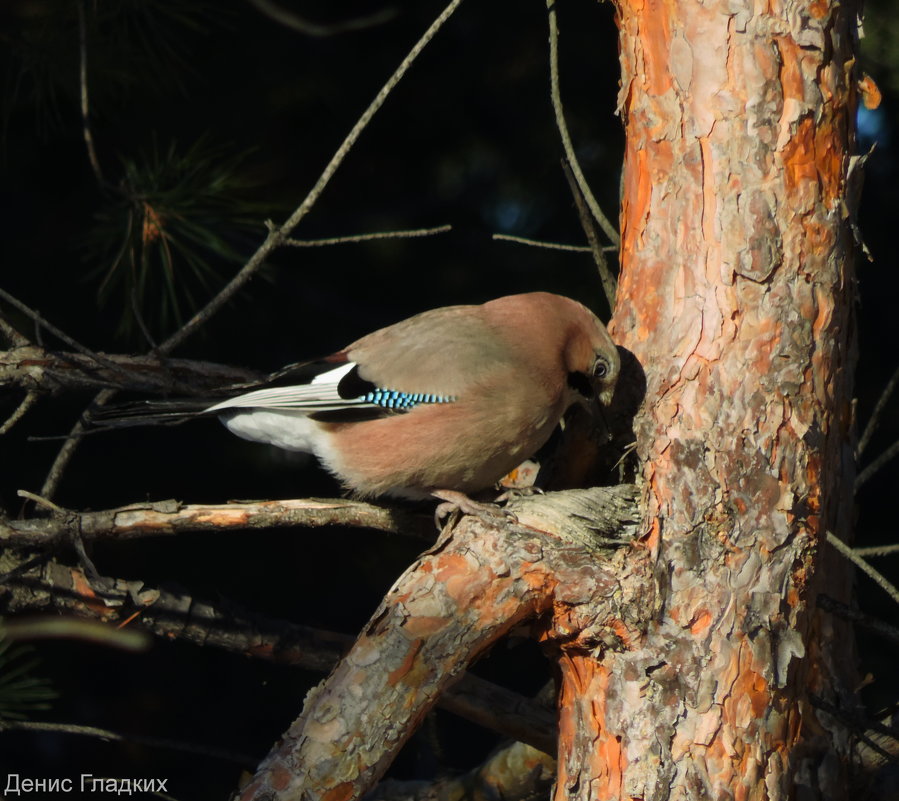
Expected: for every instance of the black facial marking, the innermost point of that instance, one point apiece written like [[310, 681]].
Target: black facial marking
[[579, 383]]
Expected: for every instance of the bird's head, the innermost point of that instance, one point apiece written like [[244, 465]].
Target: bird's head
[[603, 373], [591, 355]]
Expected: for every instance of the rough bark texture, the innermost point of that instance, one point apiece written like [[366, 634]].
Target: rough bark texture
[[736, 298], [482, 579], [171, 517], [37, 369]]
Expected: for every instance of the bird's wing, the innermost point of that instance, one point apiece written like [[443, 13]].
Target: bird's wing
[[430, 358], [322, 392], [335, 393], [442, 352]]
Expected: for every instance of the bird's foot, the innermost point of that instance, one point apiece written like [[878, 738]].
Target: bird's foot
[[454, 501], [518, 492]]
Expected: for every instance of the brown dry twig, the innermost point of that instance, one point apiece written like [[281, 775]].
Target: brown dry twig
[[874, 419], [35, 369], [609, 282], [570, 154], [344, 240], [168, 518], [862, 565], [537, 243]]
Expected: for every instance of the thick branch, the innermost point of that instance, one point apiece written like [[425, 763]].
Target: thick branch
[[166, 518], [35, 369], [469, 590]]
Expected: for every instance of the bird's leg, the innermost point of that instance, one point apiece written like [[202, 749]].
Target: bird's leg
[[509, 493], [455, 501]]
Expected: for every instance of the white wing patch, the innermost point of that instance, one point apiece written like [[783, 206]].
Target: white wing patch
[[320, 394]]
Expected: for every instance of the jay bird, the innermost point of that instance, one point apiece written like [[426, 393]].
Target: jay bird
[[442, 404]]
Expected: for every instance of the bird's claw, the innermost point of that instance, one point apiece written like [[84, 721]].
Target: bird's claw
[[518, 492], [454, 501]]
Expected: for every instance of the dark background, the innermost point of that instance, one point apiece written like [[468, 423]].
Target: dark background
[[467, 138]]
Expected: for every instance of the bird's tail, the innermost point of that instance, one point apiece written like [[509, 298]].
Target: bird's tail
[[148, 413]]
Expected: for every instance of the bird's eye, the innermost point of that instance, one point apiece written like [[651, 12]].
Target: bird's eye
[[600, 369]]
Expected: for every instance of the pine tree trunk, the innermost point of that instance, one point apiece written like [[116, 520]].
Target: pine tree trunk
[[736, 297]]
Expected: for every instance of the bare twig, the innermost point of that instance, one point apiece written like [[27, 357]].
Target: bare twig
[[874, 419], [537, 243], [342, 240], [41, 501], [67, 451], [857, 725], [862, 565], [21, 410], [276, 237], [36, 370], [13, 337], [23, 567], [139, 319], [570, 154], [291, 20], [85, 105], [877, 550], [487, 704], [609, 282], [61, 335], [878, 464], [860, 619], [73, 532], [168, 518], [112, 736]]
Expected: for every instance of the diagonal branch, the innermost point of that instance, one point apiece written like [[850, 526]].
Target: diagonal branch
[[35, 369], [85, 103], [20, 411], [876, 466], [874, 419], [536, 243], [277, 236], [555, 95], [609, 282], [61, 335], [476, 584], [862, 565], [13, 337]]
